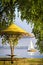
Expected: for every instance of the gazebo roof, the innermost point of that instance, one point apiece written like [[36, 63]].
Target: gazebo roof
[[14, 29]]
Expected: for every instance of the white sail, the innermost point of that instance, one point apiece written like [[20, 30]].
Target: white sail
[[31, 48], [31, 45]]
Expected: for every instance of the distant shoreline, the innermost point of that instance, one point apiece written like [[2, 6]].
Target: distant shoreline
[[9, 59], [18, 47]]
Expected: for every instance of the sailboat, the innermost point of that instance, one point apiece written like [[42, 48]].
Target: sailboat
[[31, 49]]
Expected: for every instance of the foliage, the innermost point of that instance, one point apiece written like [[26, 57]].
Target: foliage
[[7, 14], [38, 31], [31, 9], [10, 39]]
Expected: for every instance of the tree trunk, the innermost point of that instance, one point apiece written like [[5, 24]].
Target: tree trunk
[[12, 53]]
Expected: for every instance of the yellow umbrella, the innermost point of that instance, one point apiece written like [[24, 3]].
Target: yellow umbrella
[[14, 29]]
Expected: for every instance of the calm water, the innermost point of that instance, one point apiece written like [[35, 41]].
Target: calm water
[[20, 53]]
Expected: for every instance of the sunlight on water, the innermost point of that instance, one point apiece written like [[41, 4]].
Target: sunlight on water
[[30, 53]]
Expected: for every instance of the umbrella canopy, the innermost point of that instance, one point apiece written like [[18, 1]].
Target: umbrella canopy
[[14, 29]]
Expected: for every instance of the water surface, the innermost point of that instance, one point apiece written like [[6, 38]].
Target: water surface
[[20, 53]]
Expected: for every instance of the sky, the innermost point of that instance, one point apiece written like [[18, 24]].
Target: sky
[[25, 26]]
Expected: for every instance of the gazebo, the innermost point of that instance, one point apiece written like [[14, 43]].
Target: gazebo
[[13, 33], [14, 29]]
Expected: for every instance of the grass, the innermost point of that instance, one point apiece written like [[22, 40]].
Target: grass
[[22, 61]]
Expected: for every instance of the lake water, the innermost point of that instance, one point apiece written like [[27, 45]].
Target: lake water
[[20, 53]]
